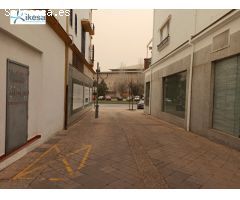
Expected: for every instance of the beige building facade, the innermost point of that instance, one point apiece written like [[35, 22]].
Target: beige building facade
[[193, 78]]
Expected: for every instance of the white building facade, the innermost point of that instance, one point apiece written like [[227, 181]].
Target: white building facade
[[193, 78], [36, 61]]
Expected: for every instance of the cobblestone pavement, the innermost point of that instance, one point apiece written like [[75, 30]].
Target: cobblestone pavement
[[125, 149]]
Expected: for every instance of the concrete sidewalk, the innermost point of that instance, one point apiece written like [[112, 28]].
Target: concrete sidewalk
[[125, 149]]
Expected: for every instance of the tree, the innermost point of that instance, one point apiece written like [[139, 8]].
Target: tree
[[102, 88], [121, 88], [137, 89]]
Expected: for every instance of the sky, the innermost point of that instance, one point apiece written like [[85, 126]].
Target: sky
[[121, 37]]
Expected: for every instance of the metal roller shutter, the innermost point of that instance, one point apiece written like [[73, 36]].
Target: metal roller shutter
[[226, 112]]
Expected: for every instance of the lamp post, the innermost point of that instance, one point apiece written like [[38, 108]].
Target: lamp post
[[97, 106]]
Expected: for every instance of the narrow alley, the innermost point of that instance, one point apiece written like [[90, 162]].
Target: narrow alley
[[125, 149]]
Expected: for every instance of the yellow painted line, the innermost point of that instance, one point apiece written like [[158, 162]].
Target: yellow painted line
[[77, 151], [67, 166], [56, 179], [24, 171], [85, 157], [65, 162], [57, 149], [30, 171]]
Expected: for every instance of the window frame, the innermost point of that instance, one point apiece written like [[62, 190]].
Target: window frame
[[164, 41], [71, 17], [76, 24], [163, 93]]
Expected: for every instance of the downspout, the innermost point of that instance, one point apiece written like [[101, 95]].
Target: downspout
[[190, 77], [150, 102], [190, 87], [66, 82]]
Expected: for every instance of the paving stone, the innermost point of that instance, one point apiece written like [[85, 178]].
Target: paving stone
[[177, 177], [128, 150]]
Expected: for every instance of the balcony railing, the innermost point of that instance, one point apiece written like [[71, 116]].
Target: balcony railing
[[163, 43], [91, 55]]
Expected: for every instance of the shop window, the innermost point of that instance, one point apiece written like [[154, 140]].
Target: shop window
[[86, 95], [226, 109], [77, 100], [174, 94], [147, 94]]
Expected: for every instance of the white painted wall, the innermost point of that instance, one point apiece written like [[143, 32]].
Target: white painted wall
[[205, 17], [183, 24], [20, 52], [181, 27], [30, 45]]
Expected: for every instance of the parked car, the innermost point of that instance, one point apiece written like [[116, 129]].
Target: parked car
[[108, 98], [137, 98], [101, 98], [140, 104], [119, 98]]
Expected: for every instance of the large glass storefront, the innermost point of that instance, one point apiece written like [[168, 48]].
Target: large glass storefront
[[226, 109], [174, 94]]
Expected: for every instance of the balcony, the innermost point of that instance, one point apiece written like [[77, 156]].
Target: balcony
[[88, 26], [163, 43]]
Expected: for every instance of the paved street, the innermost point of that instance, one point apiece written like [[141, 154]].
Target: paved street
[[123, 106], [125, 149]]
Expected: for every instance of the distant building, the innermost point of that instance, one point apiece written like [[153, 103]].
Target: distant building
[[194, 76], [46, 78], [118, 80]]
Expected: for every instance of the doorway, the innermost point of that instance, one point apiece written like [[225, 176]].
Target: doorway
[[17, 91]]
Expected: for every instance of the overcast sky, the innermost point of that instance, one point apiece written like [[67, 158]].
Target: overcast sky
[[121, 36]]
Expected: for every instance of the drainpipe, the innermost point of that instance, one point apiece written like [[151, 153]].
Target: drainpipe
[[190, 77], [150, 102], [190, 87]]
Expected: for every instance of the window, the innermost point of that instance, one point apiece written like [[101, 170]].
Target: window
[[174, 94], [83, 41], [164, 34], [76, 62], [76, 24], [77, 100], [147, 94], [92, 53], [226, 109], [86, 95], [71, 17]]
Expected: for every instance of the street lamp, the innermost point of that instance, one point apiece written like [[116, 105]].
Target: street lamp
[[97, 106]]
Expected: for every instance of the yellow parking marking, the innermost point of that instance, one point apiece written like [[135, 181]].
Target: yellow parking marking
[[56, 179], [22, 173], [77, 151], [85, 157], [28, 170], [67, 166]]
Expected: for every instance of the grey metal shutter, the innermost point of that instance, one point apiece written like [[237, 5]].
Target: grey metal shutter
[[226, 110]]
